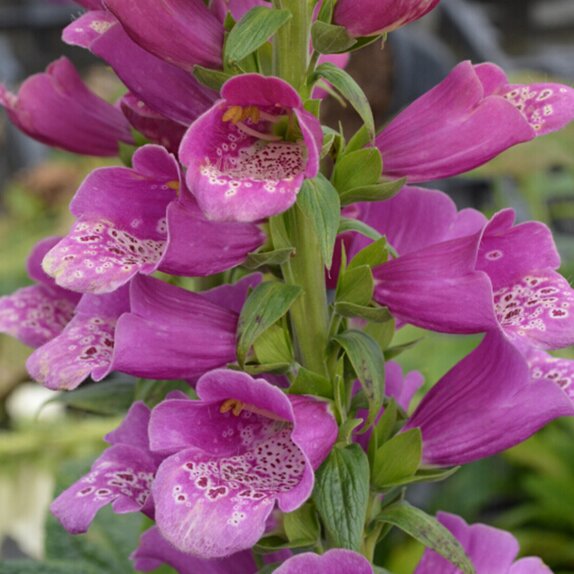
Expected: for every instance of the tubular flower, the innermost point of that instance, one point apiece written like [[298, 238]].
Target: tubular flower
[[335, 561], [121, 476], [372, 17], [247, 156], [56, 108], [237, 451], [489, 549], [140, 219], [469, 118]]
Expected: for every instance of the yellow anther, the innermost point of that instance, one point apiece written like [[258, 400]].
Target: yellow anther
[[173, 185], [233, 114], [252, 113], [233, 405]]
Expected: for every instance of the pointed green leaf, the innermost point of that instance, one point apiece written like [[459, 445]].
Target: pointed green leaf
[[310, 383], [428, 531], [368, 362], [347, 224], [330, 38], [374, 254], [213, 79], [351, 91], [252, 31], [357, 169], [275, 347], [383, 333], [341, 495], [395, 351], [260, 369], [375, 314], [319, 201], [375, 192], [302, 525], [356, 286], [360, 139], [263, 258], [428, 475], [264, 306], [397, 459]]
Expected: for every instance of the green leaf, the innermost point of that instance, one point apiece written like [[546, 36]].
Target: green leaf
[[428, 531], [260, 369], [375, 314], [395, 351], [275, 347], [319, 201], [347, 224], [386, 424], [265, 258], [351, 91], [330, 38], [302, 525], [341, 495], [374, 254], [329, 137], [152, 392], [383, 333], [369, 364], [310, 383], [213, 79], [347, 428], [105, 398], [274, 543], [428, 475], [375, 192], [358, 169], [398, 459], [252, 31], [356, 285], [360, 139], [266, 305]]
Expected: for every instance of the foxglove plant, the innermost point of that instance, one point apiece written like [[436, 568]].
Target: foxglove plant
[[293, 445]]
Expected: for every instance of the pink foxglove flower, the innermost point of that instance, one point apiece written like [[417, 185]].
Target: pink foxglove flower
[[121, 476], [56, 108], [545, 366], [237, 451], [485, 404], [247, 156], [84, 348], [371, 17], [183, 32], [335, 561], [467, 119], [140, 219], [165, 88], [36, 314], [489, 549]]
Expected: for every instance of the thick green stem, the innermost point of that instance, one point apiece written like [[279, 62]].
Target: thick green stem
[[291, 43], [310, 313]]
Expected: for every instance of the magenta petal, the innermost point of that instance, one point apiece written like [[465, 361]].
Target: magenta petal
[[436, 288], [133, 430], [155, 127], [199, 247], [121, 228], [56, 108], [121, 476], [172, 333], [233, 296], [529, 566], [182, 32], [559, 371], [335, 561], [372, 17], [451, 129], [154, 550], [484, 405], [34, 315], [401, 387], [84, 348], [164, 87]]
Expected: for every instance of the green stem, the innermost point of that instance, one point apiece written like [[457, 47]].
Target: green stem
[[291, 43], [310, 313]]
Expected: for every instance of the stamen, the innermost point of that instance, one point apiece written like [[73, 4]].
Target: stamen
[[257, 134], [173, 185], [233, 405]]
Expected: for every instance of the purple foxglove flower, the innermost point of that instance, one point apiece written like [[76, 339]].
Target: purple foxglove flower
[[242, 447], [154, 550], [336, 561], [121, 476], [171, 333], [489, 549], [182, 32], [165, 88], [555, 369], [485, 404], [131, 220], [467, 119], [56, 108], [84, 348], [372, 17], [247, 156], [155, 127], [36, 314], [533, 304]]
